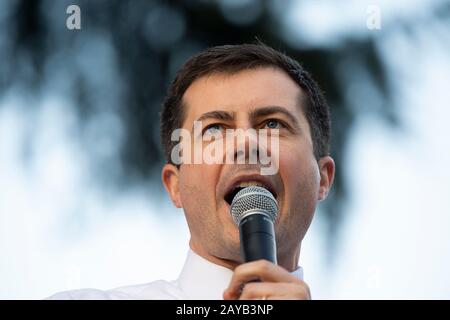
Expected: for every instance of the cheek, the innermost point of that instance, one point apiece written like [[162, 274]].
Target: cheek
[[301, 182], [197, 185], [301, 177]]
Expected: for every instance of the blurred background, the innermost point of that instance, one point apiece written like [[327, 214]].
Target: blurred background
[[81, 203]]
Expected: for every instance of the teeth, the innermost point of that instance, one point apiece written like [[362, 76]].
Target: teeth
[[250, 183]]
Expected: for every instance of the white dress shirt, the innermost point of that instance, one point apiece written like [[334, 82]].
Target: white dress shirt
[[199, 279]]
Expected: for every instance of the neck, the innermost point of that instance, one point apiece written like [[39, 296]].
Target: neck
[[200, 250], [288, 260]]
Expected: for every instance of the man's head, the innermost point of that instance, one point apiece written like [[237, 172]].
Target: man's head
[[247, 86]]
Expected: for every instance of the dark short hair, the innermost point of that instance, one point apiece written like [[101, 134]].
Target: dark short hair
[[232, 59]]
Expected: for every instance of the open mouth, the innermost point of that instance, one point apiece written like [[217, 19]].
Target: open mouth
[[229, 196]]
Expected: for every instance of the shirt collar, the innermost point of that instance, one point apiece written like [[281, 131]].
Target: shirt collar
[[201, 279]]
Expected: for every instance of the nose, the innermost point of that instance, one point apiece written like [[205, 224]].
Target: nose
[[245, 148]]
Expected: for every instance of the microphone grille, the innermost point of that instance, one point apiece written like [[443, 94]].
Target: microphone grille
[[251, 198]]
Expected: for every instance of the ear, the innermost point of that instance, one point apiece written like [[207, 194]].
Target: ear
[[170, 180], [326, 168]]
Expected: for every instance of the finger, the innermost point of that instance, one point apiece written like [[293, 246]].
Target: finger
[[259, 290], [275, 291], [261, 269]]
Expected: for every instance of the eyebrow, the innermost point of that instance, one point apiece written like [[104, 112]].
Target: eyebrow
[[218, 115], [270, 110]]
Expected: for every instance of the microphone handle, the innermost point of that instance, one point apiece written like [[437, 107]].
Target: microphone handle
[[257, 236]]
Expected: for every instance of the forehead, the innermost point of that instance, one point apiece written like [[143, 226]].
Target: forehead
[[241, 92]]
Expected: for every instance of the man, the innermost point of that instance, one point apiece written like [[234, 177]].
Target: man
[[248, 87]]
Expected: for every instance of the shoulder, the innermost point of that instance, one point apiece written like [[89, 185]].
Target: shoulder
[[159, 289]]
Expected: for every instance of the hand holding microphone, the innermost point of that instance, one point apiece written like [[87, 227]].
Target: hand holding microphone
[[254, 209]]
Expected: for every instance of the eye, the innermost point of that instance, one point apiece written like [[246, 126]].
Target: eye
[[213, 129], [274, 124]]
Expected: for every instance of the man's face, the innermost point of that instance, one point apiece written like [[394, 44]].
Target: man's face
[[263, 98]]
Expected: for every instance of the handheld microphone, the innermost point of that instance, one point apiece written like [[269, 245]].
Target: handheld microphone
[[254, 210]]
